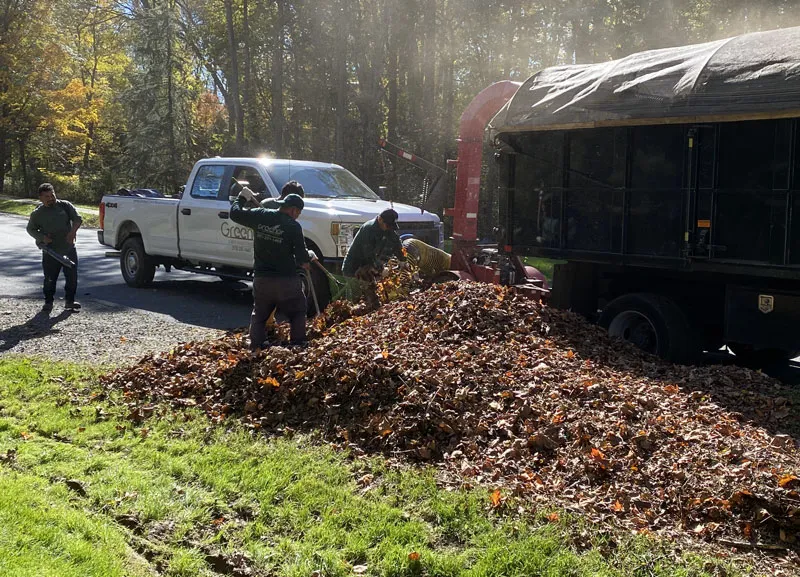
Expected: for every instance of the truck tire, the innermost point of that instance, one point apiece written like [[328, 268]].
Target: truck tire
[[655, 324], [321, 287], [137, 267]]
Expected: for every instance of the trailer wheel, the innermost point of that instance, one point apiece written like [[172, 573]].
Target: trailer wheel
[[137, 267], [653, 323]]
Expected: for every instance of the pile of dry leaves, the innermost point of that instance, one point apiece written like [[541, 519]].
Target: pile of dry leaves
[[500, 391]]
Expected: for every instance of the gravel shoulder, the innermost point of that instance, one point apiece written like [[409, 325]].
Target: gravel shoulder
[[102, 333]]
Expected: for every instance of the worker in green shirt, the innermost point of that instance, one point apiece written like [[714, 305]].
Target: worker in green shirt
[[54, 224], [279, 248], [375, 243]]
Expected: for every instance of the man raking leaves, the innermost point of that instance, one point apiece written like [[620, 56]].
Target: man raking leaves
[[375, 243], [54, 224]]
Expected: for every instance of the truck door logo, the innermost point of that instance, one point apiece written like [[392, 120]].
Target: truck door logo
[[766, 303], [235, 232]]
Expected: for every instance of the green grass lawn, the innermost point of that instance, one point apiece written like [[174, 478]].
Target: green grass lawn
[[90, 220], [545, 265], [85, 492]]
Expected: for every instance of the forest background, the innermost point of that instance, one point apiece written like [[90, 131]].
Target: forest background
[[97, 94]]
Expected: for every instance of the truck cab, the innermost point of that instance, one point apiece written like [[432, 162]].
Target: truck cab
[[337, 204]]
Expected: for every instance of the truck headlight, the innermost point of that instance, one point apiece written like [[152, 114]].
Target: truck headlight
[[343, 234]]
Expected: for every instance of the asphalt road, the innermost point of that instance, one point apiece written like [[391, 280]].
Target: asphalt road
[[198, 300]]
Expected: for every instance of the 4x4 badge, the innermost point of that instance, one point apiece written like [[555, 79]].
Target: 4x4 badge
[[766, 303]]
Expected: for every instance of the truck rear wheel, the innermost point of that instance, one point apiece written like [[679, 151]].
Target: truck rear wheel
[[653, 323], [137, 267]]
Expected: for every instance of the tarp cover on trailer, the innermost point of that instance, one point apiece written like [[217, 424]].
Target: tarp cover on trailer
[[745, 75]]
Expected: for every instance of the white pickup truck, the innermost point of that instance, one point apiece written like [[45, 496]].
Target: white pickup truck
[[195, 232]]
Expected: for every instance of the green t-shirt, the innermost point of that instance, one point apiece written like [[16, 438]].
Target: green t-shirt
[[278, 247], [372, 246], [56, 221]]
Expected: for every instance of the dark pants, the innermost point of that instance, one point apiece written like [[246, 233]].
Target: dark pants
[[284, 294], [52, 268], [368, 280]]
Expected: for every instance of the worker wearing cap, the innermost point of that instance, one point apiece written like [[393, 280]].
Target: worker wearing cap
[[291, 187], [279, 249], [375, 243]]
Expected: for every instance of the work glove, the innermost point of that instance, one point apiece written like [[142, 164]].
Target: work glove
[[249, 196], [312, 255]]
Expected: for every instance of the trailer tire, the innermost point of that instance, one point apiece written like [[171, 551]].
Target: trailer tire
[[137, 267], [654, 323]]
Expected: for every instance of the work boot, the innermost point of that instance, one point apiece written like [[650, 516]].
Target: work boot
[[73, 306], [48, 306]]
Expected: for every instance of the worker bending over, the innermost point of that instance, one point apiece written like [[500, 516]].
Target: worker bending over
[[428, 259], [278, 250], [375, 243]]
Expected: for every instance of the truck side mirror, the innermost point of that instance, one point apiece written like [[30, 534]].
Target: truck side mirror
[[382, 192]]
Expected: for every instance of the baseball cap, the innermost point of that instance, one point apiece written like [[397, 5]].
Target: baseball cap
[[293, 201], [389, 216]]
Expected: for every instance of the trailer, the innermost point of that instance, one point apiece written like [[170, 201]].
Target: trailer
[[669, 182]]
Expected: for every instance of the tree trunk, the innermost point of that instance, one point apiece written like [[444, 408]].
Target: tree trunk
[[23, 166], [428, 75], [341, 85], [449, 117], [414, 72], [278, 121], [87, 150], [248, 94], [171, 173], [3, 157], [391, 80], [233, 80]]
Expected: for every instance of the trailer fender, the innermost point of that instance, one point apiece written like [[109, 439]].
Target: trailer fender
[[451, 275], [534, 273]]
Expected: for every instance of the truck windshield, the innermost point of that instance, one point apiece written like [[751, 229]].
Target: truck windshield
[[321, 182]]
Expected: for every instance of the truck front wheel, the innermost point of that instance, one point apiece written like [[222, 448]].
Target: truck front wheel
[[653, 323], [137, 267]]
